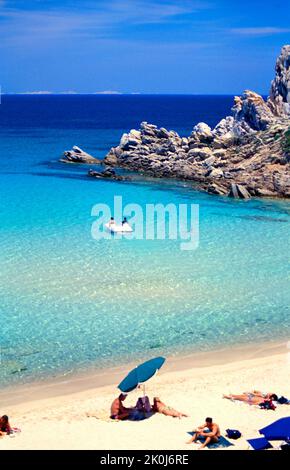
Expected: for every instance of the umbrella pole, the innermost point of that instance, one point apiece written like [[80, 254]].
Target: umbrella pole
[[143, 390]]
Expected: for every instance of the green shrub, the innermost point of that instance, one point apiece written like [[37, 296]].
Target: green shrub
[[286, 142]]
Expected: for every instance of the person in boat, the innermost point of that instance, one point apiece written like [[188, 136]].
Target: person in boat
[[160, 407], [209, 431], [252, 398], [112, 221], [124, 221], [5, 427], [118, 410]]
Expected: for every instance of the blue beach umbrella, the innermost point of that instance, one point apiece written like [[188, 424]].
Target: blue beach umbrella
[[277, 431], [141, 374]]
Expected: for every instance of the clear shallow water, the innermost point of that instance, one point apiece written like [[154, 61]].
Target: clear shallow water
[[68, 301]]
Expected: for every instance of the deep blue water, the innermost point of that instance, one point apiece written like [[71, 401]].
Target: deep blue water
[[68, 301]]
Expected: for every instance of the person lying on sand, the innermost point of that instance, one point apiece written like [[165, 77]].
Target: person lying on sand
[[118, 410], [160, 407], [266, 396], [5, 427], [209, 430], [252, 398]]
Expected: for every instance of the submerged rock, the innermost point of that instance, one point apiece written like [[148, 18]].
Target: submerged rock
[[108, 173]]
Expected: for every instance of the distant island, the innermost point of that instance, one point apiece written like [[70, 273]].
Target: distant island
[[66, 92], [246, 154]]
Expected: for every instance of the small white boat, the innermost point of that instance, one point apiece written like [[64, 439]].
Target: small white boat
[[119, 228]]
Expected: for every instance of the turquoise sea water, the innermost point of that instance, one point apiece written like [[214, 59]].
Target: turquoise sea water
[[68, 301]]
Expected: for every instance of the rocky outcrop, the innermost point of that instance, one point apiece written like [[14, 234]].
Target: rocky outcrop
[[77, 155], [246, 154], [255, 165], [251, 109], [279, 99]]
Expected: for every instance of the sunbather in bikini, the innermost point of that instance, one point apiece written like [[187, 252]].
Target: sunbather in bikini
[[266, 396], [252, 398], [160, 407]]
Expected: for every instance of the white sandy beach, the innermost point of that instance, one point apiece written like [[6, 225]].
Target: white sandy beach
[[59, 421]]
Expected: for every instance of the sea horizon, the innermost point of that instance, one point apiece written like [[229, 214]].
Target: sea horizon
[[115, 93]]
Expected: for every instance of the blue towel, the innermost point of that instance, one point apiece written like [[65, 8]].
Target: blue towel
[[139, 415], [260, 443], [223, 442]]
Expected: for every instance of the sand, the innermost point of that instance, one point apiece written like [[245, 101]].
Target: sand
[[55, 416]]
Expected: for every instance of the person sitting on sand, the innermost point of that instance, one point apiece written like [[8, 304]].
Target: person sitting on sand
[[124, 221], [118, 410], [5, 427], [252, 398], [210, 431], [160, 407]]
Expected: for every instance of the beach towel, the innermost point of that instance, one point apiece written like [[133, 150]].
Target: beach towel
[[223, 442], [260, 443], [136, 415]]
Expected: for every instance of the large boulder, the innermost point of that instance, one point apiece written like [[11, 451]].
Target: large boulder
[[198, 154], [238, 191], [253, 110], [202, 133], [130, 140]]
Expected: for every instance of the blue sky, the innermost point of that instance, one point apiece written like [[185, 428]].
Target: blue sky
[[141, 46]]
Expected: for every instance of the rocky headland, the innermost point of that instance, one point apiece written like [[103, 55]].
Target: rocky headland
[[246, 154]]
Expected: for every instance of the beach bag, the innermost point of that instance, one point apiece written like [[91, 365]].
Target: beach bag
[[143, 404], [233, 433], [282, 400], [267, 405]]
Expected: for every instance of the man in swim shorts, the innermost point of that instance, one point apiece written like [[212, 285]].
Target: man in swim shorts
[[209, 431], [118, 410]]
